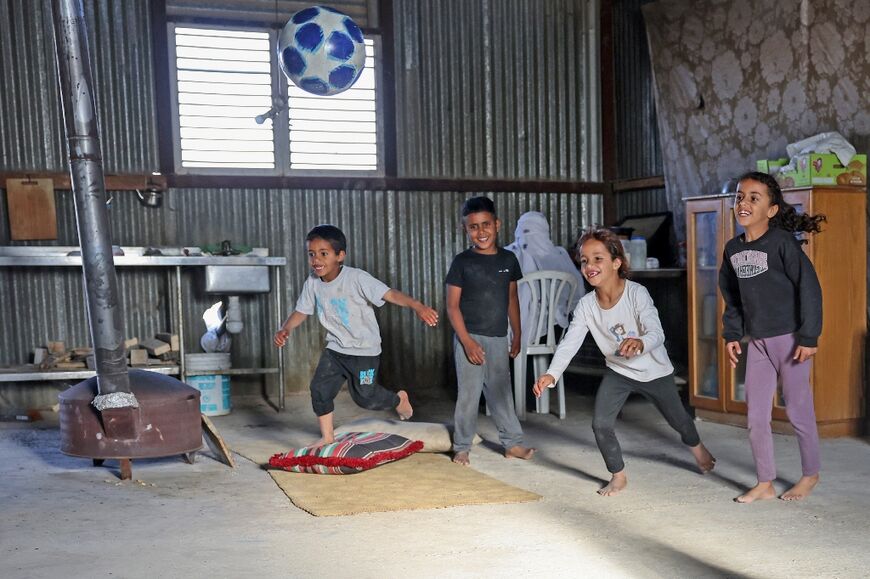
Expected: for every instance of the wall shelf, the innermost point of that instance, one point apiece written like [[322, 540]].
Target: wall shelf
[[46, 256]]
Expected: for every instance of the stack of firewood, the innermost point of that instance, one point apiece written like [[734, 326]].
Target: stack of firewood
[[163, 348], [55, 355]]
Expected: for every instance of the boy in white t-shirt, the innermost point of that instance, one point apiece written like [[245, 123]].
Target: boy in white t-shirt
[[343, 297], [625, 324]]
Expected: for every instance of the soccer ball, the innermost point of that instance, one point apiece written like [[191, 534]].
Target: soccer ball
[[321, 50]]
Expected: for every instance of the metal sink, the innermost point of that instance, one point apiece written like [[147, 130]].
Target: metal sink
[[236, 279]]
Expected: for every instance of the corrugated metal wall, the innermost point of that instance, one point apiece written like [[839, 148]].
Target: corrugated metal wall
[[637, 143], [498, 89], [640, 202], [43, 304], [31, 123], [406, 238]]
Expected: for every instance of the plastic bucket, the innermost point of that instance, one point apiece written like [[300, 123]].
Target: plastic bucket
[[214, 388], [210, 362], [214, 393]]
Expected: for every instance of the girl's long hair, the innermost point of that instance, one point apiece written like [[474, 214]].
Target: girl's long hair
[[610, 241], [787, 217]]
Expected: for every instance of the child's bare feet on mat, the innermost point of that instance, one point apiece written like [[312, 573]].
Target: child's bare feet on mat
[[322, 441], [461, 458], [404, 409], [760, 492], [801, 489], [617, 483], [519, 452], [706, 461]]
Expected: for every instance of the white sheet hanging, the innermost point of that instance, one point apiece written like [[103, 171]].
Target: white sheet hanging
[[536, 252]]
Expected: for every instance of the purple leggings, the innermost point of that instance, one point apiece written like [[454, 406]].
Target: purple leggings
[[767, 360]]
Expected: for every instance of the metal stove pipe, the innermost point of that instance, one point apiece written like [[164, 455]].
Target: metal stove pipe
[[92, 219]]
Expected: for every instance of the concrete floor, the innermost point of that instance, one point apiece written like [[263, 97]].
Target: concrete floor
[[61, 517]]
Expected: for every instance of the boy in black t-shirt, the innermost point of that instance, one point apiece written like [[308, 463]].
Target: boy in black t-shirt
[[481, 298]]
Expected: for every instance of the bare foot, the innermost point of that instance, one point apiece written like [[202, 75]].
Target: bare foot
[[519, 452], [327, 432], [461, 458], [706, 461], [404, 409], [760, 492], [801, 489], [617, 483]]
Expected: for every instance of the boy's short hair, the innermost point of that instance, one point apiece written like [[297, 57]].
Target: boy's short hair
[[477, 205], [330, 234]]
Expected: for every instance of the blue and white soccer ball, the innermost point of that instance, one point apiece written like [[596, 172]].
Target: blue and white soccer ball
[[321, 50]]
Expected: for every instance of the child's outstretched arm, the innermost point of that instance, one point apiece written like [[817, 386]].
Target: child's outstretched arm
[[288, 326], [473, 350], [424, 312], [565, 351], [543, 382]]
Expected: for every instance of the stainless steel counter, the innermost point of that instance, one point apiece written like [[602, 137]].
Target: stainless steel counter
[[172, 257], [31, 373]]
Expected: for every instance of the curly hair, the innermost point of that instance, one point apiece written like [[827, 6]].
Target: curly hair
[[610, 241], [787, 217]]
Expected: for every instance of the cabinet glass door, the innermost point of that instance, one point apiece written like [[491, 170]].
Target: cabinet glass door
[[736, 386], [704, 243]]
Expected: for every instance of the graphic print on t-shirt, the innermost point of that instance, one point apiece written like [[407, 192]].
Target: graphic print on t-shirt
[[749, 263], [340, 306], [619, 332]]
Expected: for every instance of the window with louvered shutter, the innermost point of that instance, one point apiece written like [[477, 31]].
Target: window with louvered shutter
[[225, 78]]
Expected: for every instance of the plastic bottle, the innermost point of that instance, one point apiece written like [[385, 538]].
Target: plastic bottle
[[638, 252], [626, 249]]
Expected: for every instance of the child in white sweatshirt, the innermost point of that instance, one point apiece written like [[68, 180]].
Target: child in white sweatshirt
[[625, 324]]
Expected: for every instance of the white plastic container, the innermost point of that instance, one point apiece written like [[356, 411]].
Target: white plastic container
[[638, 252], [216, 361], [626, 249], [214, 389]]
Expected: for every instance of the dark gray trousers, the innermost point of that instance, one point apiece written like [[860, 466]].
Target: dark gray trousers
[[612, 394], [361, 374]]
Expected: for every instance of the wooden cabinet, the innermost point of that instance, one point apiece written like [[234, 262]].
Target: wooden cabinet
[[839, 255]]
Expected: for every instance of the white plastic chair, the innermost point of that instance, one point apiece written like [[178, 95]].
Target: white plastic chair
[[546, 287]]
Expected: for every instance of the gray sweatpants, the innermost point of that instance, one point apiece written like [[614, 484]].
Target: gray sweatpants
[[493, 378], [612, 394]]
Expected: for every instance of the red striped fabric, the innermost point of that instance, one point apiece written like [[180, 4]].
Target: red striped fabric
[[351, 453]]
